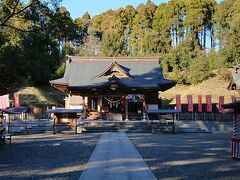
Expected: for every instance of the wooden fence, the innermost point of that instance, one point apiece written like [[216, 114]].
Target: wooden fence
[[206, 116]]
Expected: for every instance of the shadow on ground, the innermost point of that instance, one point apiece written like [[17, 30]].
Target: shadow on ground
[[46, 156], [188, 156]]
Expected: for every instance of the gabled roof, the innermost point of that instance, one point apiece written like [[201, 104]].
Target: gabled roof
[[114, 66], [144, 73]]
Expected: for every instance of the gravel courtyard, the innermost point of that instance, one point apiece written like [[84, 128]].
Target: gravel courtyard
[[46, 156], [170, 156], [188, 156]]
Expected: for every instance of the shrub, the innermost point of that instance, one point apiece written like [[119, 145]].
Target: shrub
[[198, 71], [224, 74], [60, 70]]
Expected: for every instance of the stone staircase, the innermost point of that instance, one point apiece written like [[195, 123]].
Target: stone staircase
[[114, 126], [89, 126], [135, 126], [188, 127]]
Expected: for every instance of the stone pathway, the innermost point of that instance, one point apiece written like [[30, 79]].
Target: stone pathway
[[115, 157]]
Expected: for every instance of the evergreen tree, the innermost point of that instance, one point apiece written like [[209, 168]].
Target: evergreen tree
[[142, 23]]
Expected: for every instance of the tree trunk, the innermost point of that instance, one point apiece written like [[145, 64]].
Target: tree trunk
[[176, 30], [212, 38], [204, 37]]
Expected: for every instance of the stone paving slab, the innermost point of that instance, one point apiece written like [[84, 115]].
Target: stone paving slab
[[115, 157]]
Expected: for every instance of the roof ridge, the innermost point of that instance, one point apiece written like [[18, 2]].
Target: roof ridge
[[113, 58]]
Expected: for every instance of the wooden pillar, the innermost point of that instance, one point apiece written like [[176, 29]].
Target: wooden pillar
[[86, 102], [99, 103], [54, 130], [144, 108], [100, 106], [126, 109], [83, 101]]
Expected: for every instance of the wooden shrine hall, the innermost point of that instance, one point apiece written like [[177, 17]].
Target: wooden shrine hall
[[113, 88]]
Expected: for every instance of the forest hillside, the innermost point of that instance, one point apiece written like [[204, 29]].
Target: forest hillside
[[213, 86], [191, 38]]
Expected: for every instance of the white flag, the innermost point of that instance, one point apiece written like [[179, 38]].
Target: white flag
[[4, 101]]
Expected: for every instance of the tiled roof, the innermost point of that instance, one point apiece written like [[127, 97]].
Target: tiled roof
[[144, 72]]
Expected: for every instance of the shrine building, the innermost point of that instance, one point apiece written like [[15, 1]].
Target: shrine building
[[118, 87]]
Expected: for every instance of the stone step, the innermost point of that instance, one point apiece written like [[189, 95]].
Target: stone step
[[187, 127], [113, 126]]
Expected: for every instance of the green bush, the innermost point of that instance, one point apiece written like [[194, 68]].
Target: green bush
[[60, 70], [224, 74], [198, 71], [179, 76]]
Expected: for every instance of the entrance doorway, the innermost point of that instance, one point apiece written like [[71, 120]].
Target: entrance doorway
[[135, 106], [114, 104], [135, 110], [115, 107]]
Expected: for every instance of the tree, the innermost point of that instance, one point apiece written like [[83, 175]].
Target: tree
[[12, 9], [86, 16], [63, 25], [82, 27], [116, 28], [89, 48], [177, 61], [95, 28], [228, 30], [142, 23], [112, 44], [81, 30], [28, 48], [168, 22], [152, 44], [199, 19], [198, 71]]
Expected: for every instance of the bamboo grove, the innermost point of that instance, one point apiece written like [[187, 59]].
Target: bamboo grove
[[192, 39]]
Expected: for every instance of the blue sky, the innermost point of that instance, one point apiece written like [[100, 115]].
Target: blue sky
[[94, 7]]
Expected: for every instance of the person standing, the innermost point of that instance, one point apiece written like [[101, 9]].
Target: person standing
[[3, 124], [3, 127]]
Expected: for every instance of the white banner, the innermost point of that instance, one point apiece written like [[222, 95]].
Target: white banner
[[4, 101]]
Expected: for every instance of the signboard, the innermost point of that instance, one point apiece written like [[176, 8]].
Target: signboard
[[4, 101], [190, 103], [221, 102], [200, 103], [209, 103], [178, 102]]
